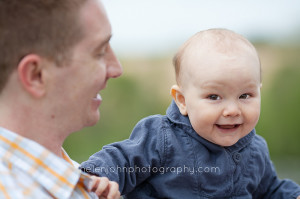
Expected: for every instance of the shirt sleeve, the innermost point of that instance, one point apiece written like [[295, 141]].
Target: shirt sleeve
[[273, 187], [130, 162]]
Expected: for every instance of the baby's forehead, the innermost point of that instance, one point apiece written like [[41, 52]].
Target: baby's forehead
[[219, 40], [206, 47]]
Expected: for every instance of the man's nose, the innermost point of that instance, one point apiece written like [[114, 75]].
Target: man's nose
[[114, 68]]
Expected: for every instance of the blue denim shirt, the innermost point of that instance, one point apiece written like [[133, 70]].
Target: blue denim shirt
[[165, 158]]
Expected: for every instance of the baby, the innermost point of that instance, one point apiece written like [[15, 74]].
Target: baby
[[206, 145]]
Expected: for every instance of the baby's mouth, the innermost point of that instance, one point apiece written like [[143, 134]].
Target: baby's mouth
[[228, 126]]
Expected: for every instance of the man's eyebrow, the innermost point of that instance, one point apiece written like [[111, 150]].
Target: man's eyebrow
[[103, 43]]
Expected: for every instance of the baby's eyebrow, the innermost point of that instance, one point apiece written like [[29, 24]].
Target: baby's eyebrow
[[219, 85], [252, 85], [211, 85]]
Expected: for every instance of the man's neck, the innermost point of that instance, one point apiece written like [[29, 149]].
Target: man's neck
[[34, 130], [28, 117]]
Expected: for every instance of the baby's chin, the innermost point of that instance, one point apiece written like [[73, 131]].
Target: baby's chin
[[226, 142]]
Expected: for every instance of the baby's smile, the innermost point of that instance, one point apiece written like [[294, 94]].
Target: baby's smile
[[228, 128]]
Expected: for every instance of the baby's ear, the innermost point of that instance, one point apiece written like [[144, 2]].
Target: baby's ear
[[179, 99]]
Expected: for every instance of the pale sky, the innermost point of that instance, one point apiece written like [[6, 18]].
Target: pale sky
[[143, 27]]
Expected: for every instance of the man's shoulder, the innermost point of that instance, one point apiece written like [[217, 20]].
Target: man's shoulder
[[14, 183]]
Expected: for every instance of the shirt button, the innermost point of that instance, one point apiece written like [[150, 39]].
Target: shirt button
[[236, 157]]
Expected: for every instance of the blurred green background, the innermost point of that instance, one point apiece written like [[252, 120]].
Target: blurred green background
[[143, 90]]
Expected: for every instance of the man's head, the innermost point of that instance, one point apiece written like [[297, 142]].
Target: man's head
[[49, 28], [218, 85], [57, 89], [75, 88]]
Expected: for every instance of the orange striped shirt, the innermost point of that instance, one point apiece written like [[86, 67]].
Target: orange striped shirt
[[28, 170]]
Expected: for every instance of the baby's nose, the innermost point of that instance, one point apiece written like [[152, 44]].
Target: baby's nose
[[232, 109]]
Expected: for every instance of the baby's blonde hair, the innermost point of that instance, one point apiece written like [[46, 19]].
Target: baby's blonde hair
[[223, 41]]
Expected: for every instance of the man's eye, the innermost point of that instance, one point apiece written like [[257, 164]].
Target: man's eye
[[102, 52], [245, 96], [214, 97], [100, 55]]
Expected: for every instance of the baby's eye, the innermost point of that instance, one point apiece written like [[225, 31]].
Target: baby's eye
[[245, 96], [214, 97]]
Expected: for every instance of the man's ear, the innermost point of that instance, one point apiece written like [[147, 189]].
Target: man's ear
[[30, 72], [179, 99]]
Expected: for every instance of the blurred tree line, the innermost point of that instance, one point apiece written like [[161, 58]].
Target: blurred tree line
[[280, 116], [280, 110]]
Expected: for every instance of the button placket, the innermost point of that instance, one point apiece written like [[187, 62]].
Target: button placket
[[236, 156]]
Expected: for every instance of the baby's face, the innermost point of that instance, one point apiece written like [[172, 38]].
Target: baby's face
[[222, 94]]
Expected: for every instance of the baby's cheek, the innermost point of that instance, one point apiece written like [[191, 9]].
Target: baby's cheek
[[202, 122], [252, 117], [254, 112]]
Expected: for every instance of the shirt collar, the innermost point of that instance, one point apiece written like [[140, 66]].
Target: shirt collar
[[53, 173], [176, 117]]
